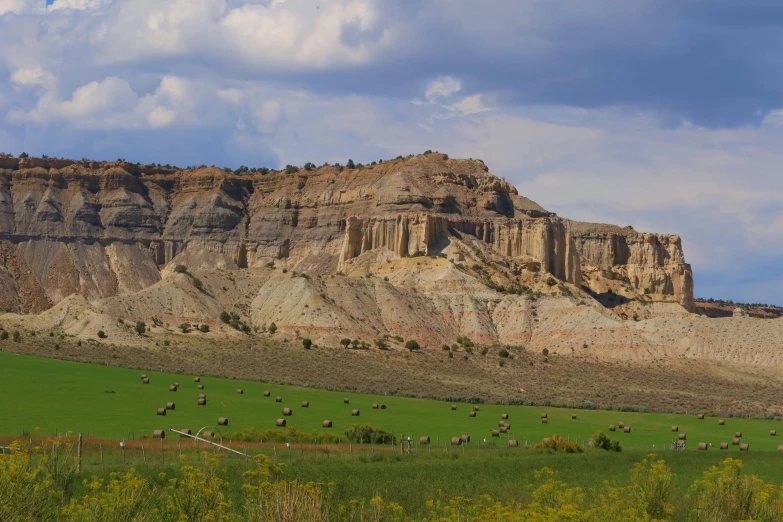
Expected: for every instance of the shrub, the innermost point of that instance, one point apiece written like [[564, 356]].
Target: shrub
[[225, 317], [551, 281], [165, 343], [451, 355], [101, 334], [204, 328], [503, 353], [445, 347], [24, 155], [412, 345], [272, 328], [545, 351], [726, 493], [350, 164], [3, 335], [345, 342], [307, 343], [602, 441], [141, 327], [484, 351], [381, 344], [366, 434], [185, 327], [652, 482], [558, 443], [309, 166], [180, 269], [197, 283], [291, 169]]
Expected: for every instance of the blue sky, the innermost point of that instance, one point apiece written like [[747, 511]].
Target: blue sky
[[661, 114]]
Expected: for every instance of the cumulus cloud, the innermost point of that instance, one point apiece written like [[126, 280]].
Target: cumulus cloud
[[32, 77]]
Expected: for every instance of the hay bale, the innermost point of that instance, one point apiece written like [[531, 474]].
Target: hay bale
[[196, 379], [612, 427], [202, 395], [683, 436], [513, 443], [724, 445], [504, 416], [453, 407], [327, 423], [507, 426], [267, 394], [475, 408], [278, 399], [772, 433], [703, 446], [680, 444], [158, 434], [186, 431], [171, 406], [543, 415], [200, 386], [545, 440], [346, 401], [721, 422], [780, 448], [287, 412], [222, 421], [240, 391], [354, 413], [305, 404], [162, 411], [143, 375], [172, 388], [501, 423], [503, 429], [621, 425], [374, 406], [735, 442], [208, 435], [145, 380], [627, 429], [202, 402], [465, 438], [744, 447], [544, 420], [590, 444], [472, 414], [176, 384], [700, 416], [383, 406], [573, 416], [675, 429], [495, 433], [456, 441], [280, 423], [738, 434], [424, 440]]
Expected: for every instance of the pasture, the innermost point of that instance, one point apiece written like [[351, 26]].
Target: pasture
[[45, 396]]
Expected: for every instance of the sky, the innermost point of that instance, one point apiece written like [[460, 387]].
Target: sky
[[666, 115]]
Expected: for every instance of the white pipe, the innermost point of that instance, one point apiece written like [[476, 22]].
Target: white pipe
[[208, 442]]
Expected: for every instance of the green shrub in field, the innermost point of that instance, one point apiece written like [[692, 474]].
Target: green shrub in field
[[366, 434], [412, 345], [101, 334], [602, 441], [307, 343], [141, 327], [558, 443]]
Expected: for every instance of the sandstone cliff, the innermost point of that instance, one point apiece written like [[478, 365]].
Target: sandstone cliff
[[107, 229]]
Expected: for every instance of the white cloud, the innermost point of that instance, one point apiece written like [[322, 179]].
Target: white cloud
[[774, 118], [77, 4], [469, 105], [268, 116], [32, 77], [442, 88]]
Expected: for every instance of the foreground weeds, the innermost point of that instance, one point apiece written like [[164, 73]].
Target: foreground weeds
[[36, 485]]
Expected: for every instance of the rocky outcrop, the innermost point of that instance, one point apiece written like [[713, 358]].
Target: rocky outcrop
[[105, 229]]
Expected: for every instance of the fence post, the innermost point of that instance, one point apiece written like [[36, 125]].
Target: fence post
[[79, 455], [143, 453], [162, 454], [101, 446]]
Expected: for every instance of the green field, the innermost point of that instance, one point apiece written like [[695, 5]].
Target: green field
[[51, 396]]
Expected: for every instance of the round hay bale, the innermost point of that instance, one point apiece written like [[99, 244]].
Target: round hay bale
[[744, 447], [675, 429], [287, 412], [738, 434], [240, 391], [683, 436], [374, 406], [680, 443], [504, 416], [627, 429], [573, 416], [196, 379], [724, 445], [267, 394], [145, 380], [424, 440], [453, 407], [475, 408], [545, 440], [507, 426], [456, 441], [772, 433], [171, 406], [162, 411], [280, 423], [383, 406], [472, 414], [703, 446], [513, 443], [172, 388], [185, 431], [503, 429], [721, 422], [200, 386], [544, 420], [700, 416], [543, 415], [621, 425], [501, 423], [143, 375], [346, 401], [612, 427], [354, 413], [278, 399], [735, 442], [176, 384], [327, 423], [202, 395], [208, 435], [305, 404], [158, 434], [590, 444], [202, 402], [495, 433], [222, 421], [780, 448], [465, 438]]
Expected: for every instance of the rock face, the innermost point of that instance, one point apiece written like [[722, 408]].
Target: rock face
[[108, 229]]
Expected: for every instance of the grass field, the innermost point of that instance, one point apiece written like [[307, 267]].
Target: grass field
[[51, 395]]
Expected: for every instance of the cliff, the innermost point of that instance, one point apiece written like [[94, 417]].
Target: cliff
[[107, 229]]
